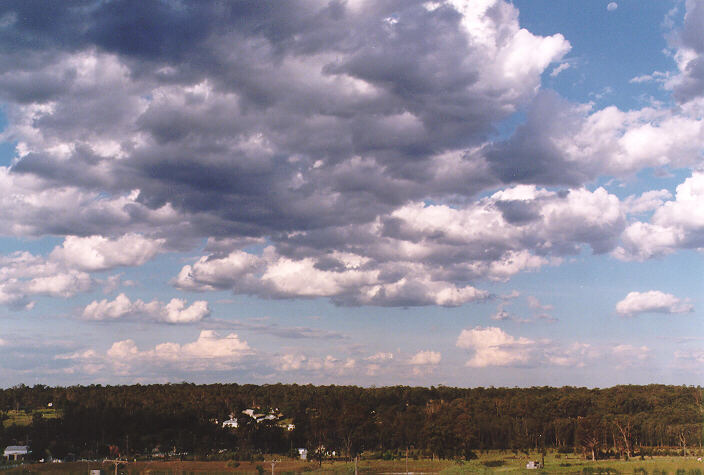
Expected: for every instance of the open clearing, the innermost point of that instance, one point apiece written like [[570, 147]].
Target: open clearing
[[492, 462]]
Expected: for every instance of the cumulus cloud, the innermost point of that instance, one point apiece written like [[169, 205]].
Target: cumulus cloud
[[675, 224], [612, 6], [357, 167], [327, 365], [653, 301], [95, 253], [563, 143], [380, 356], [204, 122], [422, 254], [423, 358], [491, 346], [176, 311], [688, 85], [23, 275], [210, 352]]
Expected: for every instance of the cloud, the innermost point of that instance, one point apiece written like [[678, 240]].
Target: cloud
[[423, 358], [96, 253], [279, 331], [327, 365], [176, 311], [612, 6], [653, 301], [563, 143], [647, 201], [380, 356], [675, 224], [208, 352], [688, 85], [368, 177], [559, 68], [425, 362], [491, 346], [346, 278], [576, 355], [534, 303], [23, 275], [354, 129], [629, 355]]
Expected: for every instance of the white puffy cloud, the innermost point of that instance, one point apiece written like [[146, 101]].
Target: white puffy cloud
[[647, 201], [380, 356], [423, 358], [209, 352], [688, 85], [176, 311], [327, 365], [675, 224], [653, 301], [423, 362], [612, 6], [352, 280], [96, 253], [576, 355], [23, 275], [491, 346]]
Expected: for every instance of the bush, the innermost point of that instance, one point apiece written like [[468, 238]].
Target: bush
[[233, 464], [260, 469]]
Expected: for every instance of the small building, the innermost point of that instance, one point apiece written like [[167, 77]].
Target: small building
[[303, 453], [231, 423], [534, 465], [16, 452]]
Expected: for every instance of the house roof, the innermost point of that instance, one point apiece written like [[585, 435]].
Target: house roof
[[16, 449]]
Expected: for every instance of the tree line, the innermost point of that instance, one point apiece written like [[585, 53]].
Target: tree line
[[185, 420]]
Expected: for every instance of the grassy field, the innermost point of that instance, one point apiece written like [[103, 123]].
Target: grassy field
[[22, 418], [488, 463]]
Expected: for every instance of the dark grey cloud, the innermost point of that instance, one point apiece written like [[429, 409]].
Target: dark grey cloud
[[531, 154], [256, 118]]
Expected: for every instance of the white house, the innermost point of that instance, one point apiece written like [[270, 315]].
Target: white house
[[231, 423], [16, 452], [303, 453]]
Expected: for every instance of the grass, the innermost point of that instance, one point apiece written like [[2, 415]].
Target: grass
[[492, 462], [24, 418], [571, 463]]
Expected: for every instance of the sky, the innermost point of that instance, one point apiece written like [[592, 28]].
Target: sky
[[460, 192]]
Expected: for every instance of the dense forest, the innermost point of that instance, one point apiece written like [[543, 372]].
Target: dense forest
[[185, 420]]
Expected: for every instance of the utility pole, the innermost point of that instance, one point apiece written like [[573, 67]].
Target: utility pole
[[273, 464], [406, 460]]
